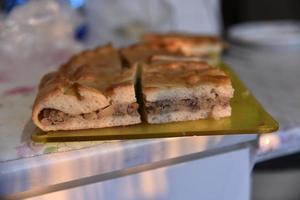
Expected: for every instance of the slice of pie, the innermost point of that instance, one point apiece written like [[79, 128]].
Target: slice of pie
[[89, 91], [206, 47], [181, 91]]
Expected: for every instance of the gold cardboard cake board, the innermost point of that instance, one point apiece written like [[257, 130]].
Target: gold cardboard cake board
[[248, 116]]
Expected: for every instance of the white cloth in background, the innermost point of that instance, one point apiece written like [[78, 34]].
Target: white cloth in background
[[122, 21], [198, 16]]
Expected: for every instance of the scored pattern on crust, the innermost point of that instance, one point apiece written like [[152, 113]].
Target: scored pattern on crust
[[185, 44]]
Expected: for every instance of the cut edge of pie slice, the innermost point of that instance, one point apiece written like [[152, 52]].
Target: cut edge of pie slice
[[182, 91], [89, 91]]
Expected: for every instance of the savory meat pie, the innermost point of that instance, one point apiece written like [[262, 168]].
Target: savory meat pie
[[150, 53], [90, 91], [206, 48], [181, 91]]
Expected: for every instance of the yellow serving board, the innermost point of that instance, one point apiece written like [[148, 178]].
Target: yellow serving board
[[248, 116]]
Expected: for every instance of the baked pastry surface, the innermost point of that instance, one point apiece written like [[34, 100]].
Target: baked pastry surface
[[186, 44], [97, 88], [180, 91], [90, 91]]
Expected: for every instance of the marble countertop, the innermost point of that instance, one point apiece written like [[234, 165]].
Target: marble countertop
[[272, 74]]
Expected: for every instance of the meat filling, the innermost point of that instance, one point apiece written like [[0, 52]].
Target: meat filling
[[192, 104], [55, 117]]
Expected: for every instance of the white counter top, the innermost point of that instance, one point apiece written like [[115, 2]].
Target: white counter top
[[272, 74]]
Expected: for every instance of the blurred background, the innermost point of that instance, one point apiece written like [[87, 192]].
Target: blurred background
[[41, 34]]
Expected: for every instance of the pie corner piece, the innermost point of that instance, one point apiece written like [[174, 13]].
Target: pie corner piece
[[182, 91], [87, 93], [186, 43]]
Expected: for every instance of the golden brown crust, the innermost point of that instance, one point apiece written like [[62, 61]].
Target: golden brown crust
[[89, 81], [172, 47], [94, 79], [186, 74], [152, 52], [176, 36], [186, 44], [90, 59], [142, 52]]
